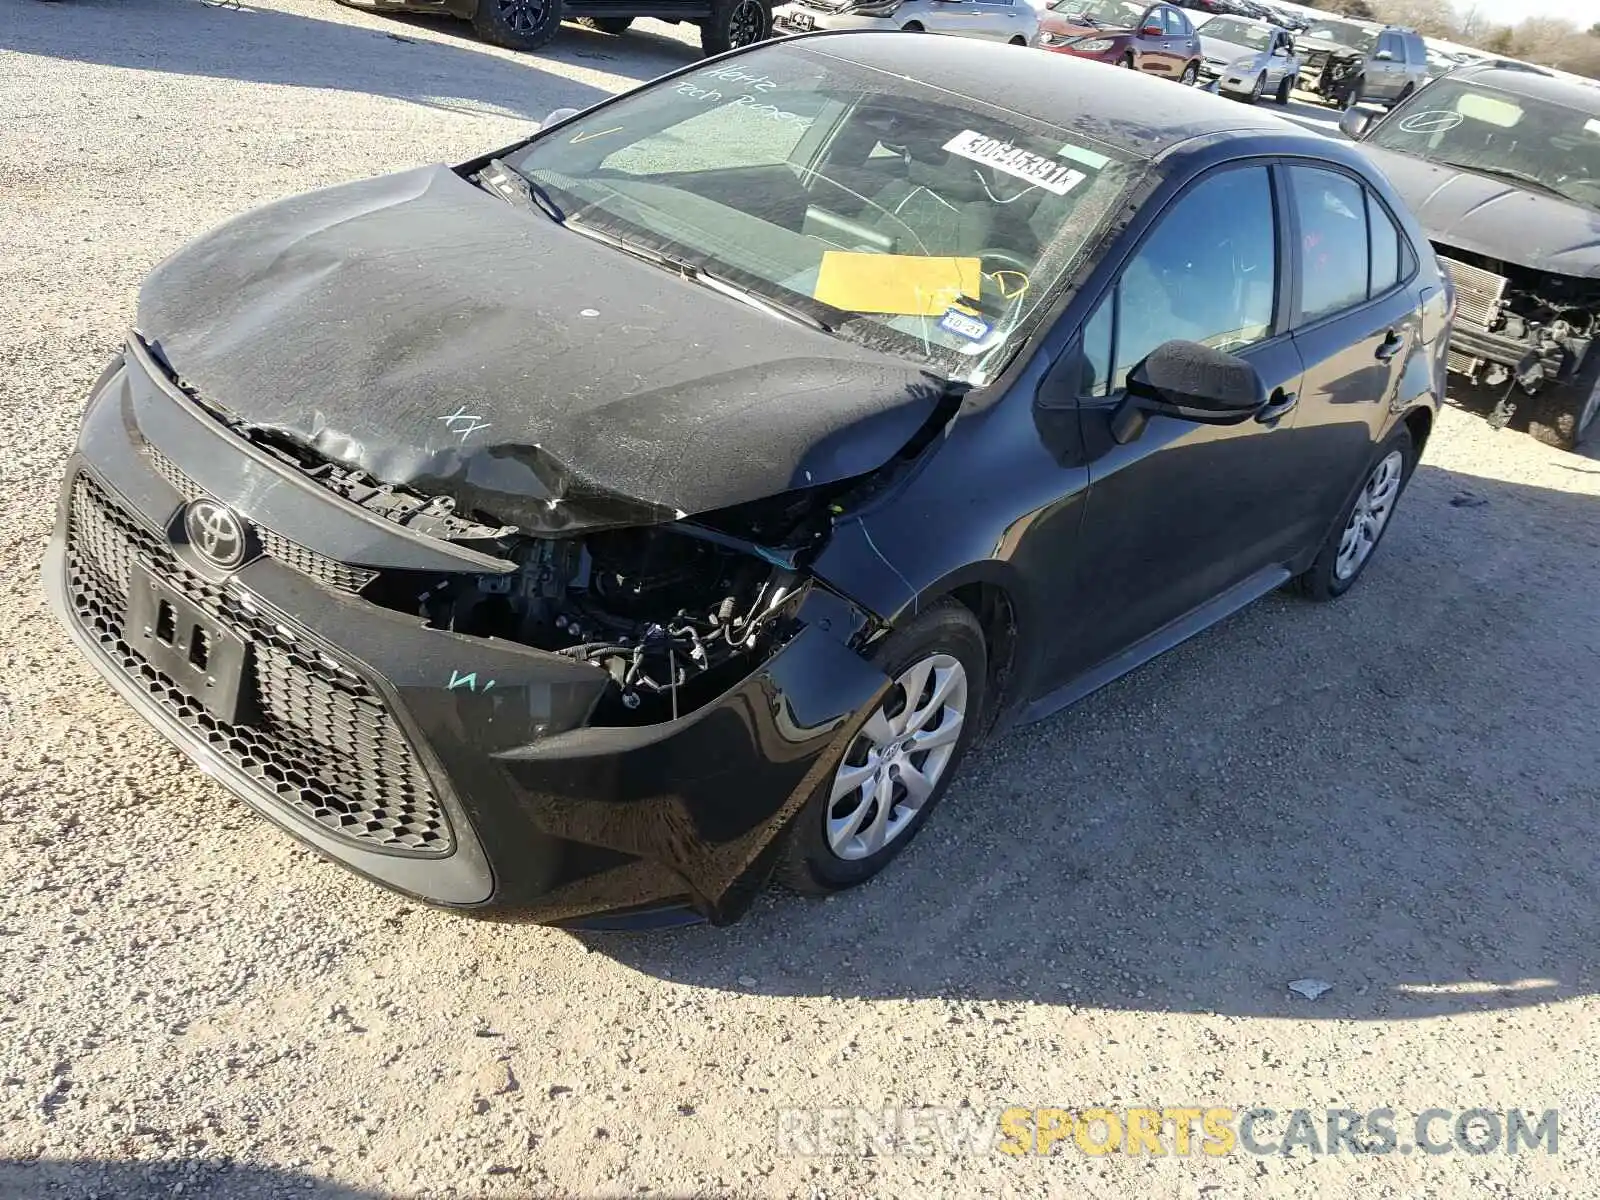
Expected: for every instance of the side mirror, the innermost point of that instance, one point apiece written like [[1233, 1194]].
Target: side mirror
[[1192, 383], [1383, 56], [1354, 123], [558, 116], [1153, 31]]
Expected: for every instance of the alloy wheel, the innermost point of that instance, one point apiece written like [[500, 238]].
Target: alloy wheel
[[1261, 86], [1190, 74], [745, 23], [524, 16], [897, 760], [1370, 515]]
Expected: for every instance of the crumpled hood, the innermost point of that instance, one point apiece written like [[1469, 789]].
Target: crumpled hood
[[1228, 52], [440, 339], [1305, 45], [1495, 217]]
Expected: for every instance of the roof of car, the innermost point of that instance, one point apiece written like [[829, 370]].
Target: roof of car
[[1130, 110], [1532, 81]]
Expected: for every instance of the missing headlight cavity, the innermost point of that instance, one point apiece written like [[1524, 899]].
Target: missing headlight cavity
[[672, 617]]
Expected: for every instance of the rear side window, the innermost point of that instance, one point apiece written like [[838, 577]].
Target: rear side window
[[1385, 269], [1334, 256], [1175, 22]]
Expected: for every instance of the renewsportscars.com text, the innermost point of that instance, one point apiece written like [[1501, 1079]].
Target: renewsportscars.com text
[[1179, 1131]]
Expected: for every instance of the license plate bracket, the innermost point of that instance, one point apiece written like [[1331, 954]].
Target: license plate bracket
[[798, 21], [178, 638]]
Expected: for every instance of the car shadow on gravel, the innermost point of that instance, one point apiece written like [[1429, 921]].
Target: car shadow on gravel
[[272, 46], [193, 1178], [1398, 795]]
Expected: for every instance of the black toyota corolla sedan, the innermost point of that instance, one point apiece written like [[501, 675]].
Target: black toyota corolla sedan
[[599, 529]]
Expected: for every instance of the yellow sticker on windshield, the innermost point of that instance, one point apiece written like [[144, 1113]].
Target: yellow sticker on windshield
[[912, 285]]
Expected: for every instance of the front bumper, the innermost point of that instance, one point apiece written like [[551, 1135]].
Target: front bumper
[[795, 18], [461, 771]]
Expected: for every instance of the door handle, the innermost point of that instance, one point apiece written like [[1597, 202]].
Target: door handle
[[1389, 347], [1277, 406]]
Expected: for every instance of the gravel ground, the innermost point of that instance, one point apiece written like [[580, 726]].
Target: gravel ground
[[1396, 794]]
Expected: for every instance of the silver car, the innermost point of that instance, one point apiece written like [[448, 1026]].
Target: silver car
[[1014, 21], [1248, 58]]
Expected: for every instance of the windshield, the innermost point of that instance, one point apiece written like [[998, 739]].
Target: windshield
[[1470, 126], [896, 214], [1237, 33], [1118, 13], [1345, 34]]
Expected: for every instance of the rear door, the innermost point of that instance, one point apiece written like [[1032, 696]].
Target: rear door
[[1356, 324], [1182, 43], [997, 19], [1184, 511], [1150, 48], [1385, 75]]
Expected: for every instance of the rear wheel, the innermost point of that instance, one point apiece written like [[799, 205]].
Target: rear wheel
[[912, 27], [899, 762], [734, 24], [1284, 90], [606, 24], [1365, 519], [517, 24], [1191, 72]]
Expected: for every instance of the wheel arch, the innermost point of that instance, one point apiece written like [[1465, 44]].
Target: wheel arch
[[1419, 420]]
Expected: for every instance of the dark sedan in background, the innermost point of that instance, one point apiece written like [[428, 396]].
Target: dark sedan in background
[[600, 528], [1501, 165], [1158, 39]]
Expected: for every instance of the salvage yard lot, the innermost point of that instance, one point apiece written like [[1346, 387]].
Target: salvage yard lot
[[1398, 794]]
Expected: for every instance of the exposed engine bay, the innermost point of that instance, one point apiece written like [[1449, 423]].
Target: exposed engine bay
[[674, 613], [1518, 325], [1330, 73], [670, 616]]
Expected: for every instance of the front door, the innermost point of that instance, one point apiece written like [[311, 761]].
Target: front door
[[1184, 511]]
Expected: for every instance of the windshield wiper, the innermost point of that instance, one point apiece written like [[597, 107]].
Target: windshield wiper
[[514, 187], [710, 279], [1505, 173]]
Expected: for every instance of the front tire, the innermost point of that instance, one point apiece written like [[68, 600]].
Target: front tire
[[1257, 90], [1362, 524], [517, 24], [1352, 94], [900, 761], [734, 24], [611, 25]]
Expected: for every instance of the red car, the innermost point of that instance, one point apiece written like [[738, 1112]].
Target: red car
[[1156, 38]]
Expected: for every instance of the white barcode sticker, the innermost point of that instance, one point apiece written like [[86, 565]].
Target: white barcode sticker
[[1014, 160]]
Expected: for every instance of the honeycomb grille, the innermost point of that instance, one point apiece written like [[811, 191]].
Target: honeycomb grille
[[322, 743], [329, 572]]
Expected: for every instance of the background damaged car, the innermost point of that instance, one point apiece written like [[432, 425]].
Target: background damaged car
[[602, 527], [1501, 165]]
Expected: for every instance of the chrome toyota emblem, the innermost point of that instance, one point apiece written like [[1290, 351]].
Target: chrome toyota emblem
[[217, 535]]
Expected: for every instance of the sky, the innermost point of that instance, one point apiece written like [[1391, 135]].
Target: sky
[[1582, 13]]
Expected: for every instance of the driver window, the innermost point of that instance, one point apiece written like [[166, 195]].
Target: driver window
[[1207, 273]]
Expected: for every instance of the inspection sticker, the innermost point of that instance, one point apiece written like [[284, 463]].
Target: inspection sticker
[[965, 325], [1014, 160]]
